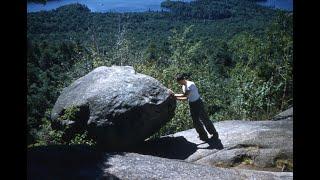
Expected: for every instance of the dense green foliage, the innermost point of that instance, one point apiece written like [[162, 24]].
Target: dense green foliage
[[241, 61], [201, 10], [46, 135]]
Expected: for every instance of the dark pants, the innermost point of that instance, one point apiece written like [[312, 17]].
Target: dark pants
[[199, 117]]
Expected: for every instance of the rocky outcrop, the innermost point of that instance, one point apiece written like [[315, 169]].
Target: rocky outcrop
[[258, 145], [81, 162], [287, 114], [246, 150], [117, 106], [136, 166]]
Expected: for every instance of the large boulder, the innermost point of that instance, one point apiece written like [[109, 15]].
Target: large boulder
[[117, 106]]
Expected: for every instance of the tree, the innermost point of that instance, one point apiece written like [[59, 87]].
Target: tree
[[151, 53], [121, 52]]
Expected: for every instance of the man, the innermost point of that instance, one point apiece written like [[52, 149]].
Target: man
[[198, 114]]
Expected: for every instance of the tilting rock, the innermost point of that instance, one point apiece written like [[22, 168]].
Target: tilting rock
[[117, 106]]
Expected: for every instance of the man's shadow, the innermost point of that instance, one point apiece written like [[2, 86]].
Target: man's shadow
[[173, 147]]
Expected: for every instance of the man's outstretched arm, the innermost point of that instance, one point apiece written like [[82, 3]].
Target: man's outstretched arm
[[180, 96]]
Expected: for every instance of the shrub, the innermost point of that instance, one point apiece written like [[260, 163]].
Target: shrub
[[47, 136]]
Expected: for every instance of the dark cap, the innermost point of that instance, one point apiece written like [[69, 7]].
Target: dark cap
[[182, 76]]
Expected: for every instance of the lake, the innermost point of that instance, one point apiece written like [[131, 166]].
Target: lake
[[130, 5], [102, 5], [278, 4]]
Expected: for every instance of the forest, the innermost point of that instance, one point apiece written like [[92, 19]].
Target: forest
[[238, 53]]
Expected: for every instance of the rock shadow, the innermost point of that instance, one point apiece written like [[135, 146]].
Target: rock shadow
[[172, 147], [68, 162]]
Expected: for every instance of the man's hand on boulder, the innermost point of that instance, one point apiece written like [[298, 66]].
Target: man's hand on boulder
[[171, 92]]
